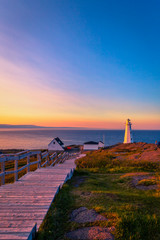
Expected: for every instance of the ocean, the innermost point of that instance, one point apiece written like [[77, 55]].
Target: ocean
[[40, 138]]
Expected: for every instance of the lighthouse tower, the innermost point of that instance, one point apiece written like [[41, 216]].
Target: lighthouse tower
[[128, 132]]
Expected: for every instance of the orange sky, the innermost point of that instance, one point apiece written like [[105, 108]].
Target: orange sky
[[64, 64], [25, 99], [25, 102]]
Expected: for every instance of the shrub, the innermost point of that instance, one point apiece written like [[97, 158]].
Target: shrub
[[94, 160], [103, 160]]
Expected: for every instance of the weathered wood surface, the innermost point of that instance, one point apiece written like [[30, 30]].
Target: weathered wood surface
[[26, 202], [50, 160]]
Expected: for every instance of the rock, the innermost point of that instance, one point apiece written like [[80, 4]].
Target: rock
[[136, 179], [90, 233], [83, 215]]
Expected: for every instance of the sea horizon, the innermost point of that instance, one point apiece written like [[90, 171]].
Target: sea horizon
[[68, 128], [40, 138]]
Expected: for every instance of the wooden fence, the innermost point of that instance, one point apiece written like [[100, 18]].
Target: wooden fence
[[43, 160]]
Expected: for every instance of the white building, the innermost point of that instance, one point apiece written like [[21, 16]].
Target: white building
[[128, 138], [56, 145], [100, 144], [91, 145]]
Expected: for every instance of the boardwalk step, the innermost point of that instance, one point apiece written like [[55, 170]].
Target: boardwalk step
[[26, 202]]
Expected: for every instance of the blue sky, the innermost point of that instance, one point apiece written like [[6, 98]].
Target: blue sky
[[98, 59]]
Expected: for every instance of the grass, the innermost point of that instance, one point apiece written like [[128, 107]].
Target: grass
[[134, 213], [54, 226], [102, 181], [106, 162], [147, 182]]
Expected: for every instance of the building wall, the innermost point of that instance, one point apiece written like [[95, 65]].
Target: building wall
[[54, 146], [90, 147], [100, 145]]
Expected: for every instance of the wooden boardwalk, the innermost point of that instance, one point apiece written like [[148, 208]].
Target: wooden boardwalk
[[24, 204]]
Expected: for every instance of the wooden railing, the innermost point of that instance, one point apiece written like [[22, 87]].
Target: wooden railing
[[50, 160]]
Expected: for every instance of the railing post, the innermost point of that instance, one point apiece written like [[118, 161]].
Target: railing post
[[39, 160], [16, 169], [3, 171], [28, 163], [48, 159], [56, 158]]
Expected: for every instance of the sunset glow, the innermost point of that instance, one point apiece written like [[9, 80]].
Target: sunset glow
[[56, 76]]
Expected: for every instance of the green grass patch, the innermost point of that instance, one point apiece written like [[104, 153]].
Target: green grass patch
[[56, 222], [138, 227], [134, 213]]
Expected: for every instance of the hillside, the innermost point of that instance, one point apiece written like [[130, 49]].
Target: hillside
[[114, 194]]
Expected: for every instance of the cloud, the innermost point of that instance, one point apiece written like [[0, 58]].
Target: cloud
[[37, 88]]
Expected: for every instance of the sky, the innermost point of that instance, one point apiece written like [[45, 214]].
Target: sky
[[80, 63]]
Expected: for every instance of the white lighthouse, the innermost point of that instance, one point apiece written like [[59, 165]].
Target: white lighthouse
[[128, 138]]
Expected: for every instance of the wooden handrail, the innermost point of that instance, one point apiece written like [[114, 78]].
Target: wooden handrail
[[50, 160]]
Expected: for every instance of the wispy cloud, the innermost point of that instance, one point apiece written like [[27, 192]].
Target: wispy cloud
[[37, 88]]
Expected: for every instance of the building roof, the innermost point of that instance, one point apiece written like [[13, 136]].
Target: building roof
[[91, 143], [59, 141], [101, 142]]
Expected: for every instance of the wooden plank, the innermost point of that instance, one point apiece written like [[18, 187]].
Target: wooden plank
[[14, 210], [23, 155], [44, 154], [2, 175], [28, 163], [39, 160], [21, 216], [45, 163], [15, 224], [53, 156], [10, 172], [35, 162], [22, 152], [15, 230], [14, 236], [27, 200], [22, 168], [34, 153], [16, 169]]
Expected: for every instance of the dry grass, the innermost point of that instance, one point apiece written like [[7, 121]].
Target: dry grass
[[127, 175], [123, 158], [148, 182]]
